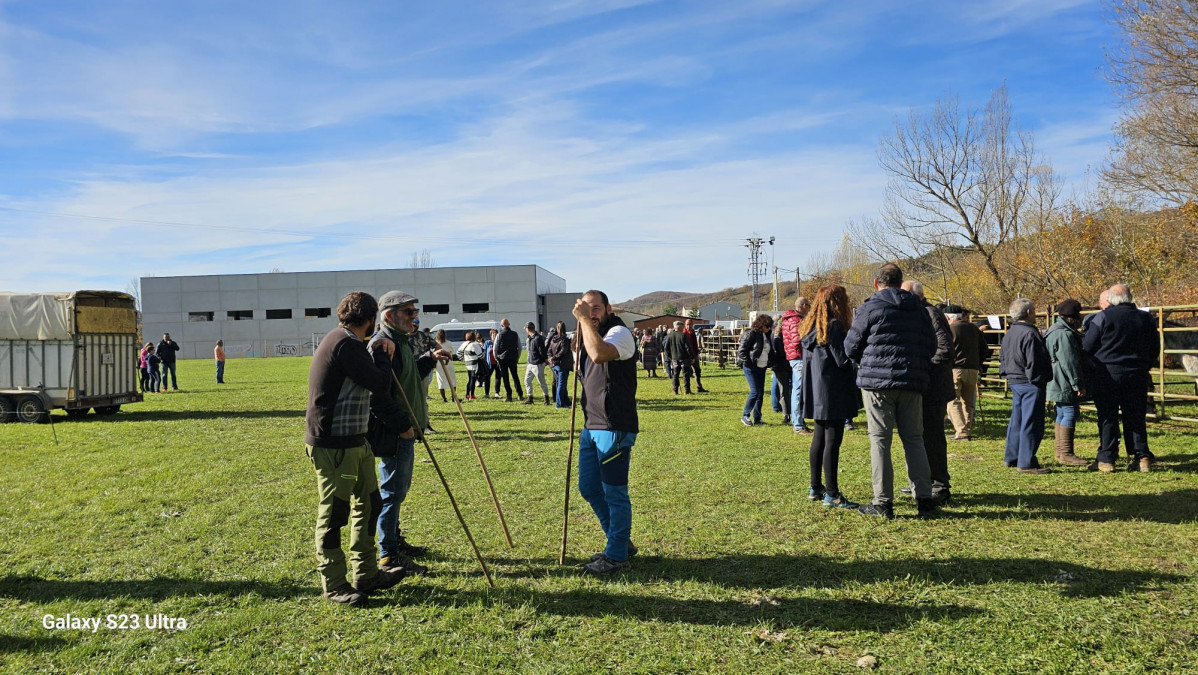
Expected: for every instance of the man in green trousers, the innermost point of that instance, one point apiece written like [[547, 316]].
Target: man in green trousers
[[341, 379]]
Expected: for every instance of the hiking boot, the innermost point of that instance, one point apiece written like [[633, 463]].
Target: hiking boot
[[346, 595], [604, 566], [1034, 469], [746, 421], [942, 497], [631, 552], [1064, 447], [399, 561], [926, 508], [1104, 467], [878, 510], [547, 399], [409, 549], [815, 495], [839, 502], [1144, 465], [383, 580]]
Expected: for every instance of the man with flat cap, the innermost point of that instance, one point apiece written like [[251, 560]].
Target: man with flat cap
[[395, 472]]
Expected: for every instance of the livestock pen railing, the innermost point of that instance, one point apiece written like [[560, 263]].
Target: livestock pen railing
[[1177, 335]]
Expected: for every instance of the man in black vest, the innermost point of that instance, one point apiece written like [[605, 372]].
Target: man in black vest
[[507, 352], [608, 372]]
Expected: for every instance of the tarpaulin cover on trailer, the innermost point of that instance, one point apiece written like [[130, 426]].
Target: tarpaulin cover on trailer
[[36, 316]]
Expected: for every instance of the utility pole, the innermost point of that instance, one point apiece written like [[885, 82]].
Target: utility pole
[[775, 303], [757, 267]]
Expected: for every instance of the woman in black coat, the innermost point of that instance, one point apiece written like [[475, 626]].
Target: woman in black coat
[[829, 390]]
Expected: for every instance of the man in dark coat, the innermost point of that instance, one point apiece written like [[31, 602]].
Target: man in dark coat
[[678, 357], [166, 351], [507, 353], [892, 340], [692, 343], [1024, 361], [1123, 343], [940, 392]]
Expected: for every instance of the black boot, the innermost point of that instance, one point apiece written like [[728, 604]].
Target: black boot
[[547, 401], [443, 399]]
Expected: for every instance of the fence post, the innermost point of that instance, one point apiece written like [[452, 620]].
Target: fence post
[[1160, 331]]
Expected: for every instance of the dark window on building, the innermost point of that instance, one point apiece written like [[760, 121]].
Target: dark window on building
[[200, 316], [278, 314], [476, 307], [241, 315], [317, 312], [435, 309]]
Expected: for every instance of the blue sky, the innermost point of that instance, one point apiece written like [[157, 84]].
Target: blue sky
[[624, 145]]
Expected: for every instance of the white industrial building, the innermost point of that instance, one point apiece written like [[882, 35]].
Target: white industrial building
[[284, 313]]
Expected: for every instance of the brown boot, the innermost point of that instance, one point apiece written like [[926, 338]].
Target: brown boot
[[1064, 440]]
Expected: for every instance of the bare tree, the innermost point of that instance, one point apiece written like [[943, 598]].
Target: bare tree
[[133, 287], [959, 182], [422, 259], [1155, 72]]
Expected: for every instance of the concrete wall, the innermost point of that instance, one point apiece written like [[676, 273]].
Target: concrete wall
[[167, 303]]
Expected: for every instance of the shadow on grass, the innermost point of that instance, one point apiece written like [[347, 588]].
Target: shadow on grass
[[135, 415], [1179, 506], [36, 589], [809, 571], [17, 643], [788, 613]]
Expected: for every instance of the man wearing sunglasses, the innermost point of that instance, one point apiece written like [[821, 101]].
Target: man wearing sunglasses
[[395, 473]]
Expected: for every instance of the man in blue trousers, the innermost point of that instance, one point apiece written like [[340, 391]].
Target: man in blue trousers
[[608, 372]]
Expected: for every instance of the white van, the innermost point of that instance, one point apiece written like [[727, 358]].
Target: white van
[[456, 330]]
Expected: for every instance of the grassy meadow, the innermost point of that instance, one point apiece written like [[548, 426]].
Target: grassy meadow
[[199, 504]]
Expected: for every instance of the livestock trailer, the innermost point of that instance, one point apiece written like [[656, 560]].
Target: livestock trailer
[[76, 351]]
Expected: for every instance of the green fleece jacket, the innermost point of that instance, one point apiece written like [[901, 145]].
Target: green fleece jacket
[[1065, 349]]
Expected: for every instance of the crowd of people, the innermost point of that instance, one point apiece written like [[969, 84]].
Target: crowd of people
[[902, 360]]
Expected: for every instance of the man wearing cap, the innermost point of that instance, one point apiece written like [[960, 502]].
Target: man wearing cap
[[607, 366], [1067, 386], [342, 379], [971, 353], [507, 352], [538, 354], [1123, 343], [395, 473]]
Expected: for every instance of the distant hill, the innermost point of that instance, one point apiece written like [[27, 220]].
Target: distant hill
[[653, 303]]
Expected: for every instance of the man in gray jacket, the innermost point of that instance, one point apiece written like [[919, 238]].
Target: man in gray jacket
[[1024, 361]]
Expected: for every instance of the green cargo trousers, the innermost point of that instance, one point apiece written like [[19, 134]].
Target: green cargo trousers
[[348, 489]]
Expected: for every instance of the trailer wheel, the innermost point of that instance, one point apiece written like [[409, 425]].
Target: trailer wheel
[[77, 413], [108, 409], [32, 410], [8, 410]]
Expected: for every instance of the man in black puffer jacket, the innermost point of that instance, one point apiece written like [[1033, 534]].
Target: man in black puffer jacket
[[892, 341]]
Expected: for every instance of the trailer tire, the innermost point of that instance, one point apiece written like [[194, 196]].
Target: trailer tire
[[106, 410], [77, 413], [32, 410], [8, 410]]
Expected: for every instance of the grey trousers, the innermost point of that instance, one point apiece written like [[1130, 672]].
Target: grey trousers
[[537, 371], [885, 410]]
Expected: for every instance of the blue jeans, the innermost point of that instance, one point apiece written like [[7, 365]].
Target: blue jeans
[[169, 368], [775, 393], [395, 478], [1026, 428], [603, 459], [561, 387], [1067, 415], [220, 372], [756, 378], [796, 393]]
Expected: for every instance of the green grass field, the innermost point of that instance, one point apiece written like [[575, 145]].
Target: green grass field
[[199, 505]]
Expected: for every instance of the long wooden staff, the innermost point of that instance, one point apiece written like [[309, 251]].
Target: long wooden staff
[[478, 453], [561, 556], [452, 501]]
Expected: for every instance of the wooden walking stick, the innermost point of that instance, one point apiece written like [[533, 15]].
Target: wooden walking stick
[[452, 501], [478, 453], [561, 556]]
